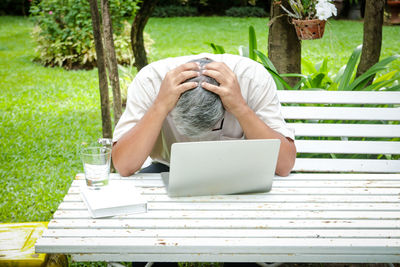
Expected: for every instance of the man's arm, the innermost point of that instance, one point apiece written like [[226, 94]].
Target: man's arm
[[130, 152], [253, 127]]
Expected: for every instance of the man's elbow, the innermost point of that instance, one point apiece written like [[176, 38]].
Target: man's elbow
[[286, 161], [283, 171], [124, 172], [123, 168]]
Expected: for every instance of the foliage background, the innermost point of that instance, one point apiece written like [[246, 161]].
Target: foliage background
[[45, 113], [64, 32]]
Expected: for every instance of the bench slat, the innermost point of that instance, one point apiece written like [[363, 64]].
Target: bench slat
[[347, 165], [349, 130], [338, 97], [341, 113], [347, 147]]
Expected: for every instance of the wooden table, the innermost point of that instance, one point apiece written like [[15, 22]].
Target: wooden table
[[305, 218]]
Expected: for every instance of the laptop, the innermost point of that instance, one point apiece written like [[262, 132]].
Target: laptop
[[221, 167]]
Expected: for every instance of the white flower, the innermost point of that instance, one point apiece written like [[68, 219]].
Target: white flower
[[325, 9]]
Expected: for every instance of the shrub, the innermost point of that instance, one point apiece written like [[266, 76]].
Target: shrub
[[64, 32], [320, 77], [246, 12], [174, 11]]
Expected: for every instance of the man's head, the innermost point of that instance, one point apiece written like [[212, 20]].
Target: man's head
[[198, 110]]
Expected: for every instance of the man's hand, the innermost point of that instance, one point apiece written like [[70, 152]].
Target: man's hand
[[228, 89], [253, 127], [172, 86]]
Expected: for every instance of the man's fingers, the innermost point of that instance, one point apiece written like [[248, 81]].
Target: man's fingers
[[187, 86], [218, 66], [212, 88], [183, 76], [218, 76], [187, 66]]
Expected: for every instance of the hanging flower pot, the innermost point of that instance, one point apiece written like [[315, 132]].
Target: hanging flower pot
[[309, 29]]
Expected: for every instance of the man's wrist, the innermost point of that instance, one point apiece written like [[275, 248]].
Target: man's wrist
[[243, 112], [160, 109]]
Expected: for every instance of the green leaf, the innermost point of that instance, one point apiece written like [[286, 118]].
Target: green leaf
[[381, 65], [386, 76], [324, 66], [212, 47], [265, 60], [299, 83], [344, 82], [217, 49], [378, 85], [339, 75], [393, 88], [252, 43], [360, 86], [280, 83], [296, 10], [308, 66], [220, 49], [293, 75], [317, 80]]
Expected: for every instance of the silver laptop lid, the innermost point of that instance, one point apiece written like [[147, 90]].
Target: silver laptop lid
[[222, 167]]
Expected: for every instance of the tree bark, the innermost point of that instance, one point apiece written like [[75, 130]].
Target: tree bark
[[101, 67], [141, 18], [111, 60], [284, 48], [372, 41]]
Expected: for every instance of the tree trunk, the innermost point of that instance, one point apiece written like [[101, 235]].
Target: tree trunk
[[372, 42], [284, 48], [141, 18], [111, 60], [101, 67]]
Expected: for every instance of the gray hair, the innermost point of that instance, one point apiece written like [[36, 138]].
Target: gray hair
[[198, 110]]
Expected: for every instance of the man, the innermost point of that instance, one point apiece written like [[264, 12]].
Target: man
[[200, 97]]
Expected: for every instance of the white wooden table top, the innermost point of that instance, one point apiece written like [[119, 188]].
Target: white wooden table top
[[305, 218]]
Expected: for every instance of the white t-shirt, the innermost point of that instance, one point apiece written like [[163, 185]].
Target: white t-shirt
[[257, 86]]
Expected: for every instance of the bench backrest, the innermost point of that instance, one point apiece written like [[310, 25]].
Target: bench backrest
[[344, 131]]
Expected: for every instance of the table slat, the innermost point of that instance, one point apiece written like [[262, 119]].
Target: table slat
[[160, 223], [256, 215], [249, 233], [221, 245]]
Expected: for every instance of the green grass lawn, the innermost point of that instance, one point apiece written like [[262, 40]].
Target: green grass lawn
[[46, 113]]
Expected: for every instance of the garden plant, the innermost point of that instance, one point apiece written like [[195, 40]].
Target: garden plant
[[319, 76], [64, 33], [46, 113]]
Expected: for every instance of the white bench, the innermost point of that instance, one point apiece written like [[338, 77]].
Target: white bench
[[378, 122], [334, 210]]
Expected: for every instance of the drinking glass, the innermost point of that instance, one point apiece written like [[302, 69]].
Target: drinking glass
[[96, 162]]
